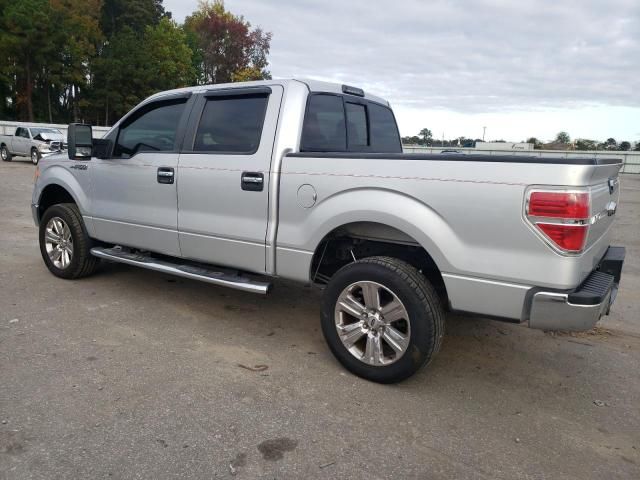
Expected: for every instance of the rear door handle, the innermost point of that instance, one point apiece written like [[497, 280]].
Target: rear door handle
[[165, 175], [252, 181]]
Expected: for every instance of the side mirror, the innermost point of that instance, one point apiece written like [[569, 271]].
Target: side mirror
[[79, 141]]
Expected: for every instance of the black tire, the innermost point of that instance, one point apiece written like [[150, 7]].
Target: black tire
[[5, 154], [421, 302], [82, 262], [35, 156]]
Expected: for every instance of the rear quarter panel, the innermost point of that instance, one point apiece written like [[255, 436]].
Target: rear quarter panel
[[467, 214]]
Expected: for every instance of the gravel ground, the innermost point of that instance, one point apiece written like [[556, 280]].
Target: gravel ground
[[134, 374]]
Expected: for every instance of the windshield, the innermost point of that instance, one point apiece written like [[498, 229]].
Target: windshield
[[38, 131]]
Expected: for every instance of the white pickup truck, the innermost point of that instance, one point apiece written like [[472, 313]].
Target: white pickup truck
[[31, 142], [238, 184]]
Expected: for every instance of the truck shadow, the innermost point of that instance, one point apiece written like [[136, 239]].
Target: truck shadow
[[476, 352]]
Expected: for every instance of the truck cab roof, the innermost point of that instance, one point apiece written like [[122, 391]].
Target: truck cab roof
[[315, 86]]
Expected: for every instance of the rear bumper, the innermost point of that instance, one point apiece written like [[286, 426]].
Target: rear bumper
[[581, 308]]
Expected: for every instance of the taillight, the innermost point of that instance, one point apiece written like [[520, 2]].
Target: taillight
[[561, 217], [574, 205]]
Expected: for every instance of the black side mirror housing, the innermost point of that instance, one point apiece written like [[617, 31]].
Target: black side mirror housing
[[79, 141]]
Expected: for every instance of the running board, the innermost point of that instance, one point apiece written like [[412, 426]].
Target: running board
[[226, 278]]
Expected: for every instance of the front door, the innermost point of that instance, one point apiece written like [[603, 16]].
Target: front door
[[223, 186], [21, 141], [134, 198]]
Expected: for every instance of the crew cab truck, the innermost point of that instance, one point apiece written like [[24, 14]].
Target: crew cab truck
[[240, 183], [31, 142]]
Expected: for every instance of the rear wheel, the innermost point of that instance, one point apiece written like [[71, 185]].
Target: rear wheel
[[35, 156], [382, 319], [5, 154], [64, 243]]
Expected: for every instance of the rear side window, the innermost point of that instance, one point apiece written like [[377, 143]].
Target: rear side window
[[324, 126], [337, 123], [152, 128], [231, 124], [385, 137], [357, 131]]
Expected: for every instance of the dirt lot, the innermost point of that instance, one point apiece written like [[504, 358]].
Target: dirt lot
[[134, 374]]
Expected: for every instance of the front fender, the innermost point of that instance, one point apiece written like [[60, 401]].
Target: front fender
[[60, 175]]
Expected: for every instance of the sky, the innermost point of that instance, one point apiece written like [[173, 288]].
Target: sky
[[520, 68]]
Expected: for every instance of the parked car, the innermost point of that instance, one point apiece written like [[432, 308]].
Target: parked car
[[31, 142], [238, 184]]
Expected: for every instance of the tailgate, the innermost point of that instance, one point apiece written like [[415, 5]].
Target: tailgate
[[605, 193]]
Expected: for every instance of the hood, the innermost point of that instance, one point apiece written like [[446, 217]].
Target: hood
[[49, 136]]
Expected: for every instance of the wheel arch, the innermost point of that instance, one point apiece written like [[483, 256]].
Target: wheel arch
[[362, 239]]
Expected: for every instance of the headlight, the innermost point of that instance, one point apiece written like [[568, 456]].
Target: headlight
[[43, 147]]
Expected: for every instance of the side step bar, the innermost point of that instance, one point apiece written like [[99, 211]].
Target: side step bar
[[224, 277]]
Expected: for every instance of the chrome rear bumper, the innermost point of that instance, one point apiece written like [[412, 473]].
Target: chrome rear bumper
[[580, 309]]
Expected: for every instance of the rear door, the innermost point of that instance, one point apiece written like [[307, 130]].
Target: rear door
[[134, 199], [223, 185]]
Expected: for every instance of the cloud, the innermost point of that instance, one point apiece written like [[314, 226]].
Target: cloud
[[463, 56]]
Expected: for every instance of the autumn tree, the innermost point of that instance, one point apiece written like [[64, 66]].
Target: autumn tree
[[228, 48]]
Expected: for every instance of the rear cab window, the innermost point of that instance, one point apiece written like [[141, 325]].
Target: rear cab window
[[347, 123]]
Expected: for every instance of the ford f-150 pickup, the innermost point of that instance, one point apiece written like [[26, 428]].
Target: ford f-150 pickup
[[32, 142], [238, 184]]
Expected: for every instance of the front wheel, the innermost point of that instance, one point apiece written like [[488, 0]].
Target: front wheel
[[64, 243], [35, 156], [5, 154], [382, 319]]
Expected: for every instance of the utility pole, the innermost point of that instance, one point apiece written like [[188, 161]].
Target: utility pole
[[484, 130]]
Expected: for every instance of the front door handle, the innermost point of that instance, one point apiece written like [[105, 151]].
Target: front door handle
[[165, 175], [252, 181]]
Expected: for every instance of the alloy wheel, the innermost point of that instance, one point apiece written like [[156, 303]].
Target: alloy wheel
[[372, 323], [59, 243]]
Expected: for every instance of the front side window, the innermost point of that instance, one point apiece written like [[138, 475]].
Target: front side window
[[152, 128], [231, 124], [324, 125]]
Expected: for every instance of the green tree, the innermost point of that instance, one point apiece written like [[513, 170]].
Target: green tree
[[637, 149], [229, 49], [610, 144], [537, 144], [563, 137], [586, 144], [25, 43], [426, 135], [136, 15], [168, 57], [625, 146]]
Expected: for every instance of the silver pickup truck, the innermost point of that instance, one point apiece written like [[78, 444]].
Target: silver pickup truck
[[31, 142], [238, 184]]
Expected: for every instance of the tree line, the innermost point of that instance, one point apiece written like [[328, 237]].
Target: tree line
[[425, 138], [93, 60]]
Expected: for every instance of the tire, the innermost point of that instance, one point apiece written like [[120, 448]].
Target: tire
[[5, 154], [409, 315], [64, 222], [35, 156]]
